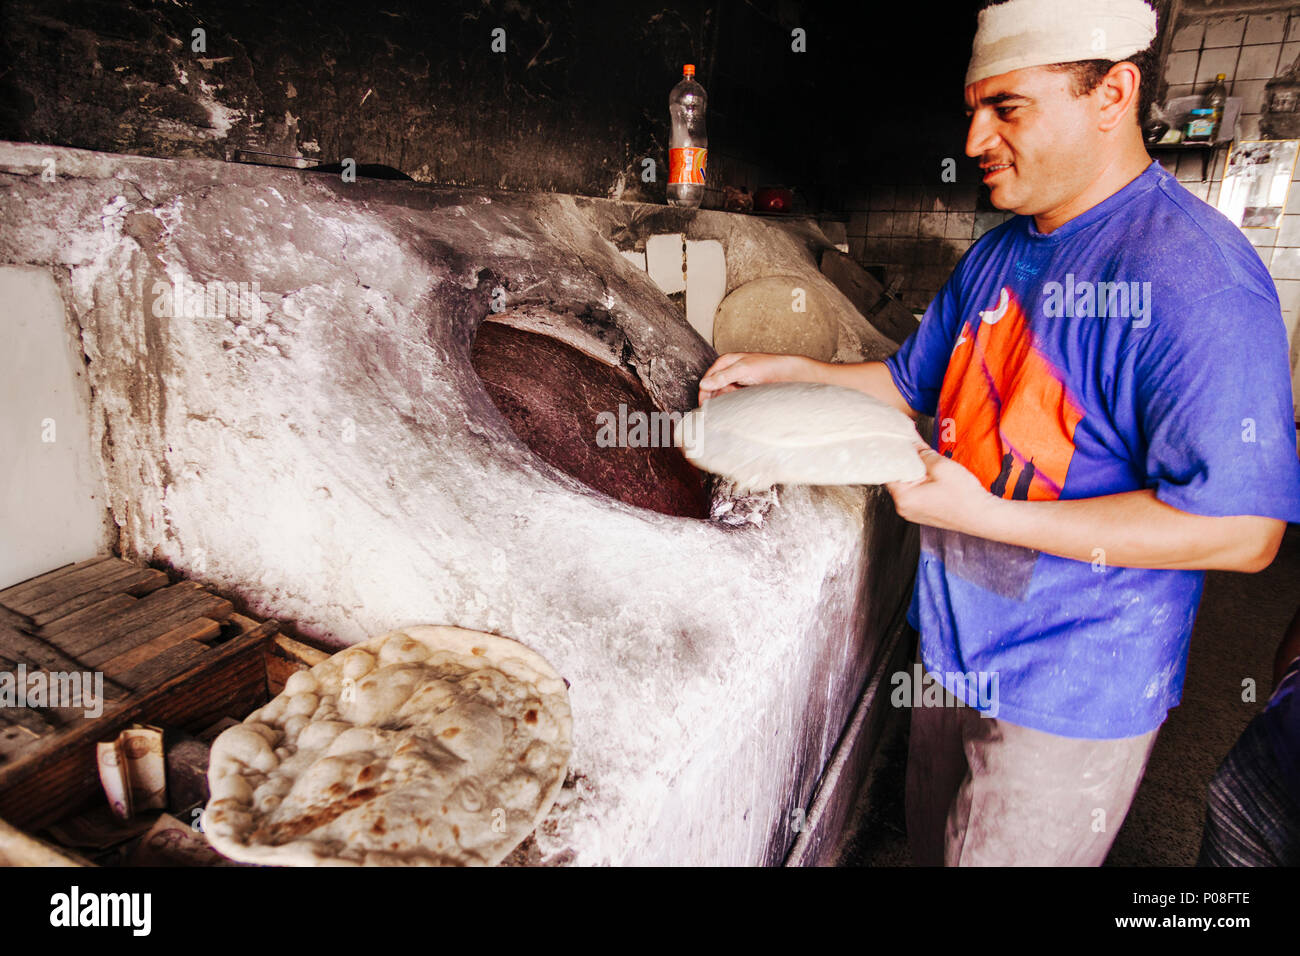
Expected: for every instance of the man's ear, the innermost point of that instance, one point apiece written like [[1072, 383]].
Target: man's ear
[[1116, 94]]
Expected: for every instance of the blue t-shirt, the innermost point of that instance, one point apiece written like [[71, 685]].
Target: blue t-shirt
[[1140, 345]]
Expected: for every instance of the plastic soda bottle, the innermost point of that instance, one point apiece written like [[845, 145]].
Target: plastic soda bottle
[[688, 144]]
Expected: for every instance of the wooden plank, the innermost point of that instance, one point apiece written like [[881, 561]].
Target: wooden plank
[[69, 781], [19, 849], [38, 720], [43, 787], [105, 577], [105, 610], [86, 634], [285, 656], [31, 718], [156, 670], [209, 606], [23, 588], [35, 651], [198, 629], [120, 714], [14, 739], [297, 650], [142, 582], [74, 582]]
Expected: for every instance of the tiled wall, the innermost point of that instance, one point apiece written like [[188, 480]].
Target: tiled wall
[[918, 233], [1249, 50]]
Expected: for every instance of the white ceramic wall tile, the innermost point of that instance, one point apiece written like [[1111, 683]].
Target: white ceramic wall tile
[[1288, 294], [857, 224], [1189, 168], [1182, 89], [1293, 31], [1251, 93], [1290, 52], [1248, 127], [933, 223], [961, 225], [1262, 239], [1265, 28], [1293, 202], [1289, 234], [1198, 189], [935, 199], [664, 262], [1181, 67], [1214, 62], [1189, 37], [706, 284], [636, 258], [1258, 62], [984, 221], [1228, 32], [1286, 263], [880, 223], [906, 222]]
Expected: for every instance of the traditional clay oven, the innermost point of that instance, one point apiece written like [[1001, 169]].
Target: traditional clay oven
[[346, 458]]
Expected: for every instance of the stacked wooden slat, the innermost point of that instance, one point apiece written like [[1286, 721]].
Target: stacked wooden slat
[[174, 655]]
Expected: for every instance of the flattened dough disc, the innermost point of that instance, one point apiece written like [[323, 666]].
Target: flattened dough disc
[[424, 746], [801, 433], [761, 316]]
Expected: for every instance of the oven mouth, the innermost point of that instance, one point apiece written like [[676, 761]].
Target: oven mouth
[[573, 401]]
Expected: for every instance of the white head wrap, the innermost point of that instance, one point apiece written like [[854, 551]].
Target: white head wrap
[[1025, 33]]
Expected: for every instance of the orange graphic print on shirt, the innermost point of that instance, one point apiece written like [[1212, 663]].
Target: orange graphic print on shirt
[[1004, 411]]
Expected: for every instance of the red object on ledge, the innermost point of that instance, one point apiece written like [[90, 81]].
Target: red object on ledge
[[773, 199]]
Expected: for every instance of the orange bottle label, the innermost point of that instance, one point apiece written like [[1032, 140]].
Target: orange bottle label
[[686, 165]]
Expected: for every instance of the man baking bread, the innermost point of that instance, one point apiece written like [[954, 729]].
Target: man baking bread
[[1109, 380]]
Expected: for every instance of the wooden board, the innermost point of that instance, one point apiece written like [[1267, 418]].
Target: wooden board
[[170, 654]]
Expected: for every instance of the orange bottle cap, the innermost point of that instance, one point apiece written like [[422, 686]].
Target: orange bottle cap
[[688, 69]]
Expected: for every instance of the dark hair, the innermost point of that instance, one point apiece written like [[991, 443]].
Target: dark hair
[[1086, 75]]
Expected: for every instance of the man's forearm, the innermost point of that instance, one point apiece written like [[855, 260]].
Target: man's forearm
[[1132, 529], [873, 378]]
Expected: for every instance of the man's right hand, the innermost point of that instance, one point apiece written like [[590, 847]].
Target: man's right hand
[[735, 369]]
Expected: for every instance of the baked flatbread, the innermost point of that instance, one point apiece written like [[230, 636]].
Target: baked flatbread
[[425, 746], [761, 316], [800, 433]]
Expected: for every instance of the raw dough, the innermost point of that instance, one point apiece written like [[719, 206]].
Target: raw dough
[[760, 316], [801, 433], [425, 746]]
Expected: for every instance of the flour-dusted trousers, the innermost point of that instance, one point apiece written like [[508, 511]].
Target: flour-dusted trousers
[[983, 792]]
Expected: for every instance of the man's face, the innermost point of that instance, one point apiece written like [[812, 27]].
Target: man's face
[[1037, 143]]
